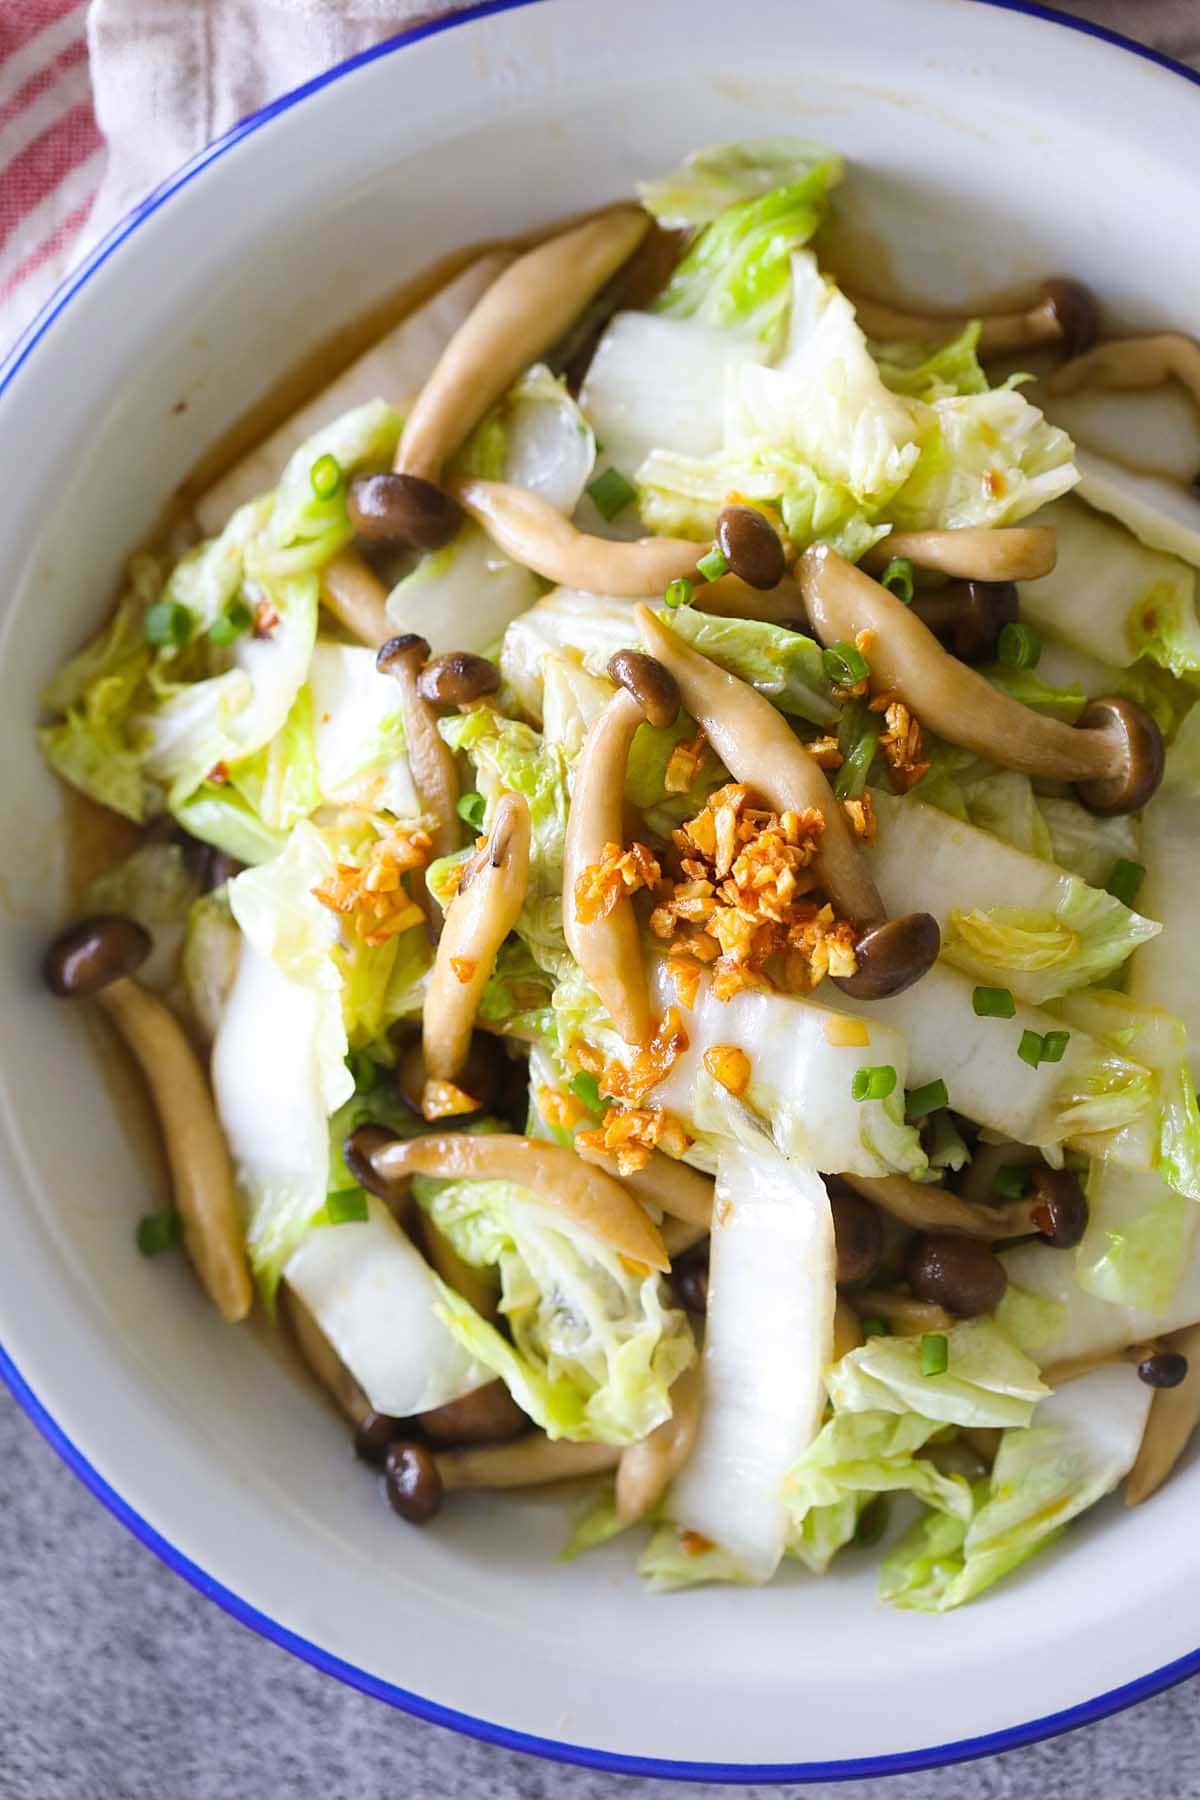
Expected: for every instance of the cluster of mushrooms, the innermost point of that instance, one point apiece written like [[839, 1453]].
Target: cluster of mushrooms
[[888, 1230]]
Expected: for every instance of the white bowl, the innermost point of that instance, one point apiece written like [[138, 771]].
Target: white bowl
[[991, 149]]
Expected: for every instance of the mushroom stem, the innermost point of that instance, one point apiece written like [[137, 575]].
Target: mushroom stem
[[973, 553], [585, 1195], [907, 1317], [195, 1145], [479, 918], [607, 948], [356, 597], [323, 1360], [1174, 1415], [847, 1331], [526, 310], [682, 1192], [1048, 321], [646, 1467], [478, 1287], [1133, 363], [947, 696], [759, 748], [530, 1461], [434, 774], [928, 1207], [533, 532]]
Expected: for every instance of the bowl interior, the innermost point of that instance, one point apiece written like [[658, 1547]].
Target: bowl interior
[[988, 150]]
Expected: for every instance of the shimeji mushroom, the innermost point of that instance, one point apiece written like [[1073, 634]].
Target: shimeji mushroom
[[587, 1196], [1113, 753], [429, 758], [1133, 363], [646, 1468], [356, 597], [1064, 313], [528, 308], [485, 907], [972, 552], [1174, 1415], [98, 958], [759, 748], [533, 532], [607, 946], [1053, 1206]]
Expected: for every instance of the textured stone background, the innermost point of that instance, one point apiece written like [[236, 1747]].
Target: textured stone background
[[118, 1682]]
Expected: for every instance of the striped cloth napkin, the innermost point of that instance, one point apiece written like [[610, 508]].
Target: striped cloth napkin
[[98, 103]]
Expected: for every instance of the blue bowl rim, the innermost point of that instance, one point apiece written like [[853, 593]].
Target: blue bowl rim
[[485, 1730]]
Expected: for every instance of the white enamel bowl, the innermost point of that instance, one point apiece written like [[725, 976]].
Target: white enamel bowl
[[991, 148]]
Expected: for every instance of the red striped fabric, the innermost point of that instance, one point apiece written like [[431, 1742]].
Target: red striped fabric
[[50, 150]]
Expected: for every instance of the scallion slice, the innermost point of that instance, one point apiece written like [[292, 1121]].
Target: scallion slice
[[844, 664], [326, 476], [233, 623], [1030, 1048], [349, 1207], [1126, 878], [1054, 1045], [1011, 1181], [470, 809], [898, 579], [993, 1003], [935, 1353], [679, 592], [927, 1099], [159, 1231], [1018, 647], [610, 493], [168, 624], [873, 1083], [712, 565], [585, 1087]]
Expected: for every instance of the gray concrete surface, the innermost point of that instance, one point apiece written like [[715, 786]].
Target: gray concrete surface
[[118, 1682]]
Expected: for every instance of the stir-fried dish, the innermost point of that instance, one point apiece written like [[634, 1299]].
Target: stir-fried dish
[[661, 935]]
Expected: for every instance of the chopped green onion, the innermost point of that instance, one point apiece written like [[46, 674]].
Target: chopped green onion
[[898, 579], [233, 622], [844, 664], [993, 1003], [168, 623], [712, 565], [610, 493], [873, 1327], [872, 1521], [679, 592], [1011, 1181], [159, 1231], [1019, 647], [873, 1083], [935, 1353], [326, 476], [1030, 1048], [347, 1208], [470, 809], [585, 1087], [858, 742], [1125, 880], [1054, 1045], [927, 1099]]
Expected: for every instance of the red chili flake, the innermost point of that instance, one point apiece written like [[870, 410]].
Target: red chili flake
[[265, 618], [218, 775]]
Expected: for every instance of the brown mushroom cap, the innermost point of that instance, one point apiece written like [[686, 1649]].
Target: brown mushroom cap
[[395, 508], [457, 678], [969, 616], [652, 684], [94, 952], [398, 651], [1142, 759], [357, 1152], [893, 956], [1073, 307], [1058, 1208]]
